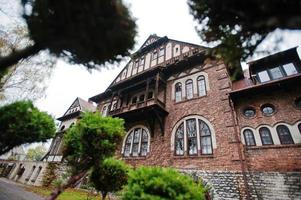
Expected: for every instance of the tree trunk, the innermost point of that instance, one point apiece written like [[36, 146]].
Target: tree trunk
[[104, 194], [14, 57], [72, 180]]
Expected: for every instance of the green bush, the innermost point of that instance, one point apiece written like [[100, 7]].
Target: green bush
[[21, 123], [110, 176], [156, 183]]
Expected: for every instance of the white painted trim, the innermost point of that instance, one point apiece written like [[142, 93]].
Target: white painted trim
[[193, 77], [127, 134], [295, 133], [172, 139]]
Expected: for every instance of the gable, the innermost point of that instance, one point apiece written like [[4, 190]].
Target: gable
[[155, 51], [75, 106]]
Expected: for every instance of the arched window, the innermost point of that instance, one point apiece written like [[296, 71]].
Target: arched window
[[189, 89], [201, 86], [299, 127], [104, 111], [136, 143], [249, 137], [265, 135], [178, 92], [196, 135], [284, 135]]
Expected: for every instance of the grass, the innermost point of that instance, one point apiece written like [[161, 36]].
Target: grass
[[69, 194]]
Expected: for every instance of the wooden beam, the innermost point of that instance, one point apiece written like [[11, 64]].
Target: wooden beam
[[161, 122], [156, 87], [146, 91]]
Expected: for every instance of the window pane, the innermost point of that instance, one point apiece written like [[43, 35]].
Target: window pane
[[135, 149], [191, 127], [204, 129], [144, 136], [299, 127], [127, 149], [192, 146], [206, 145], [263, 76], [249, 138], [161, 52], [201, 86], [179, 140], [189, 89], [143, 149], [265, 135], [178, 91], [276, 73], [284, 135], [290, 69]]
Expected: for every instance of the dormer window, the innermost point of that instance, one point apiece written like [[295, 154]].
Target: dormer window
[[274, 73]]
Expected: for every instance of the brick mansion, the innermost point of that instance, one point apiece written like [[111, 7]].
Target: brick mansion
[[181, 110]]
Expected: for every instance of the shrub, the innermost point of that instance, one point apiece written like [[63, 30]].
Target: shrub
[[156, 183]]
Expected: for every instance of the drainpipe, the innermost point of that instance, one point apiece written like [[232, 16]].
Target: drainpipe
[[241, 152]]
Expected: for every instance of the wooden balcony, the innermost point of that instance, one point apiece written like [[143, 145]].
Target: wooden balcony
[[139, 107]]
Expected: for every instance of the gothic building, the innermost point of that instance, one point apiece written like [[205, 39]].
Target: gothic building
[[181, 110]]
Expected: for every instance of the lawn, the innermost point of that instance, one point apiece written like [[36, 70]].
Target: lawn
[[69, 194]]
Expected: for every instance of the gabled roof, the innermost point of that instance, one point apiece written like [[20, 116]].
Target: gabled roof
[[152, 42], [79, 105]]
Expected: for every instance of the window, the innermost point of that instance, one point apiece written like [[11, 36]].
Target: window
[[276, 73], [201, 86], [197, 136], [136, 143], [298, 102], [290, 69], [134, 100], [249, 137], [267, 109], [249, 112], [150, 95], [265, 136], [161, 52], [178, 92], [63, 127], [141, 98], [104, 110], [189, 89], [284, 135], [191, 136], [142, 60], [299, 127], [264, 76], [155, 55]]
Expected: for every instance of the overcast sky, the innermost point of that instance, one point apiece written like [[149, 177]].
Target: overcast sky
[[169, 18]]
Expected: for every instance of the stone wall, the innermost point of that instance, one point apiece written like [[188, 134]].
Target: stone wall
[[262, 185]]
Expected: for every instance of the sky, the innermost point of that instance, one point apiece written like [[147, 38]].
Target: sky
[[169, 18]]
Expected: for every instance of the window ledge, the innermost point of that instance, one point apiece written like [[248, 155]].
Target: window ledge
[[278, 146], [134, 157], [186, 100], [193, 157]]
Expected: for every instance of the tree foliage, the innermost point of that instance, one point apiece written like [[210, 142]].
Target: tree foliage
[[36, 154], [147, 183], [240, 26], [110, 176], [83, 32], [21, 123], [86, 145]]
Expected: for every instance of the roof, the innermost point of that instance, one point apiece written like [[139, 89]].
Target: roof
[[152, 42], [78, 106]]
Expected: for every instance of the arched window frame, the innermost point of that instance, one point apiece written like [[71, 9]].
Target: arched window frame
[[199, 136], [178, 92], [246, 138], [130, 142], [265, 138], [299, 127], [201, 83], [281, 137], [189, 89]]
